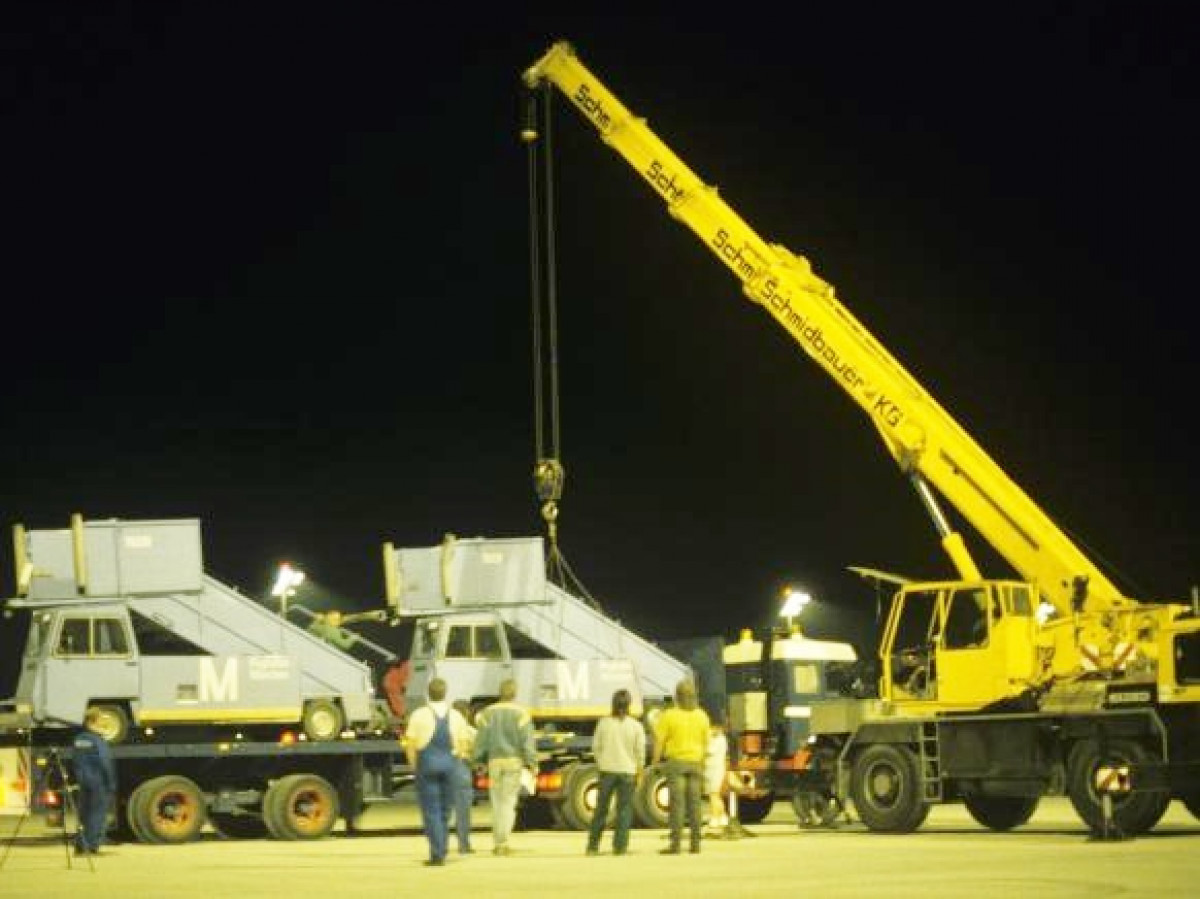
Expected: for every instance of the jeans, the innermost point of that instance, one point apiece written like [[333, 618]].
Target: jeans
[[464, 798], [620, 786], [684, 783], [504, 776], [93, 815], [435, 790]]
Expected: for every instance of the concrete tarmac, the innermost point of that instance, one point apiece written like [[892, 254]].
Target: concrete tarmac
[[950, 856]]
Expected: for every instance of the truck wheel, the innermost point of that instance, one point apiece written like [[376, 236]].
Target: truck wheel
[[886, 789], [651, 799], [238, 827], [300, 807], [323, 720], [582, 788], [754, 809], [113, 723], [1001, 812], [1133, 813], [168, 809], [134, 817]]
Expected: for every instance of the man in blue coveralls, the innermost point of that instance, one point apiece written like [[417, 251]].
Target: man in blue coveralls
[[435, 739], [97, 778]]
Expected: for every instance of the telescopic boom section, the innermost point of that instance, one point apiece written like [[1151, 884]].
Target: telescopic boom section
[[920, 435]]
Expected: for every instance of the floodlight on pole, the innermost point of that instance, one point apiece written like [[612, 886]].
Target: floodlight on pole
[[794, 601], [287, 580]]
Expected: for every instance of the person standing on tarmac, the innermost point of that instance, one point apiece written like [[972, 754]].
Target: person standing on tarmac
[[715, 769], [464, 787], [620, 749], [97, 778], [681, 738], [433, 732], [504, 741]]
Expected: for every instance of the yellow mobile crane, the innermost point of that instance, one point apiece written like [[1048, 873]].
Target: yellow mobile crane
[[992, 692]]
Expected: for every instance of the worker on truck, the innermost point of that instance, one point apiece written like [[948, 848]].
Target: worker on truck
[[97, 778]]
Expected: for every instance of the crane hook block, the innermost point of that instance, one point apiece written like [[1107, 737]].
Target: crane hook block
[[548, 477]]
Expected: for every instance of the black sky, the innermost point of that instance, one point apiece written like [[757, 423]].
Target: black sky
[[269, 268]]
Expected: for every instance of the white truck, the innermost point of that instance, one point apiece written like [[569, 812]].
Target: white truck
[[219, 709]]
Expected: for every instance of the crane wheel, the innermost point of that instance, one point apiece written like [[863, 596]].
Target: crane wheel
[[886, 789]]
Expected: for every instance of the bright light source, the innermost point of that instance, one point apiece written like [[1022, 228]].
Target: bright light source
[[794, 602], [287, 580]]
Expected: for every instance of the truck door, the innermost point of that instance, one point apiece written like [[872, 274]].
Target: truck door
[[967, 659], [908, 648], [91, 656]]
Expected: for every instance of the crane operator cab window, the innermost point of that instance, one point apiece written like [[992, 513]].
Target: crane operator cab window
[[966, 619]]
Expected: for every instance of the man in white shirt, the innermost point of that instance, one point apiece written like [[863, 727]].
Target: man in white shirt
[[619, 745]]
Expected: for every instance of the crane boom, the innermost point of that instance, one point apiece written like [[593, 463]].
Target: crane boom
[[926, 442]]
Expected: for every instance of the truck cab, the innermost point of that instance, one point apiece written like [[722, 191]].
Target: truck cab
[[771, 687], [960, 644]]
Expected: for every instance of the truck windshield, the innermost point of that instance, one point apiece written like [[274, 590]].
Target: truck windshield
[[92, 636]]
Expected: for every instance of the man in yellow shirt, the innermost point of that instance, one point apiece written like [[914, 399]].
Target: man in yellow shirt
[[681, 739]]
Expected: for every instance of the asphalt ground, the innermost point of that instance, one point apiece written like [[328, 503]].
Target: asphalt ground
[[1052, 856]]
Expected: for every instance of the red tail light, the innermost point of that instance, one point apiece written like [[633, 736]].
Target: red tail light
[[49, 799]]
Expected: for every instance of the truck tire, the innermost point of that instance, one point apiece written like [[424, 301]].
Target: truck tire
[[1133, 813], [167, 809], [754, 809], [300, 807], [582, 788], [1001, 812], [322, 720], [238, 827], [113, 723], [134, 817], [651, 799], [886, 789]]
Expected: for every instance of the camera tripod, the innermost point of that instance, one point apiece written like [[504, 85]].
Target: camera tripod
[[54, 774]]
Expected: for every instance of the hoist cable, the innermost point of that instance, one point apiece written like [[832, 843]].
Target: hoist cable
[[549, 474], [548, 225], [529, 135]]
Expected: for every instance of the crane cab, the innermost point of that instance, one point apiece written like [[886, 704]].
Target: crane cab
[[959, 644]]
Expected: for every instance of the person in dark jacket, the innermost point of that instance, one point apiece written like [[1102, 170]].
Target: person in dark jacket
[[96, 776]]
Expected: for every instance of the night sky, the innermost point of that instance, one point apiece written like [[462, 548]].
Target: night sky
[[270, 268]]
